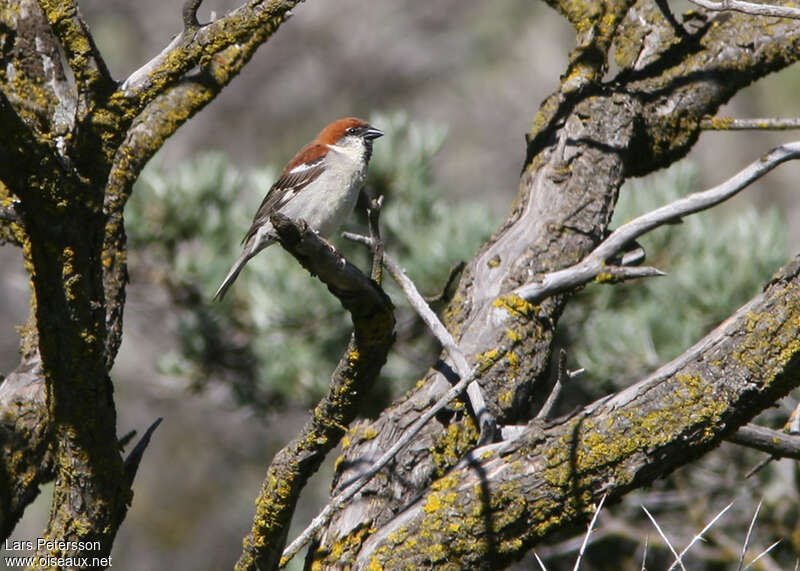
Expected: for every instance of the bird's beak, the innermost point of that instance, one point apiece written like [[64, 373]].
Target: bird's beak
[[372, 133]]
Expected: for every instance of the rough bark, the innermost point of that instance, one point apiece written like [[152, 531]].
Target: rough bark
[[501, 500], [587, 138], [363, 358], [71, 146]]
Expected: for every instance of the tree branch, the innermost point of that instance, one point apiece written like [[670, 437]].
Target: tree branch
[[486, 422], [579, 151], [26, 458], [763, 124], [250, 25], [354, 487], [595, 28], [189, 13], [774, 442], [91, 74], [145, 136], [484, 419], [373, 335], [506, 497], [751, 8], [594, 264]]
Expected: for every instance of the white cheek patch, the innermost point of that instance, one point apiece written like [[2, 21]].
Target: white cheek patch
[[349, 149]]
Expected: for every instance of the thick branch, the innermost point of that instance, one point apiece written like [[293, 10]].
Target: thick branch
[[91, 74], [373, 335], [595, 24], [249, 25], [508, 496], [32, 65], [26, 460], [582, 148], [147, 134]]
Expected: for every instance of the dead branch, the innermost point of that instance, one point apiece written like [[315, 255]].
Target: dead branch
[[763, 124], [751, 8], [513, 494], [594, 265], [775, 442]]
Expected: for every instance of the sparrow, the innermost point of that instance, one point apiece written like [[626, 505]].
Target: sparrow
[[319, 185]]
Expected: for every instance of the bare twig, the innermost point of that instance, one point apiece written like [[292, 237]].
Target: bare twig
[[664, 537], [644, 553], [751, 8], [444, 296], [760, 466], [762, 124], [428, 316], [589, 530], [352, 489], [373, 216], [762, 554], [126, 439], [794, 421], [189, 13], [699, 536], [561, 377], [486, 422], [594, 265], [747, 537], [775, 442], [438, 329]]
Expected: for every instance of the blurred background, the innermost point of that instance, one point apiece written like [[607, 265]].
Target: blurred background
[[455, 84]]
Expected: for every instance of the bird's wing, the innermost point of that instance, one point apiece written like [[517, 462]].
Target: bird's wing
[[288, 184]]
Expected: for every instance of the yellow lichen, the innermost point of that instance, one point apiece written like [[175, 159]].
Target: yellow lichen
[[515, 305]]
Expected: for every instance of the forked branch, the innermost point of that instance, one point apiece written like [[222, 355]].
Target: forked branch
[[373, 326], [595, 264]]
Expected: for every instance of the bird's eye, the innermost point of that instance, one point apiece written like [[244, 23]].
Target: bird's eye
[[351, 130]]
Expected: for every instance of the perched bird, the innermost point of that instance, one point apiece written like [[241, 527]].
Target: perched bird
[[320, 185]]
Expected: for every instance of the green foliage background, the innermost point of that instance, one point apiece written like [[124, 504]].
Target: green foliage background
[[715, 261], [278, 333]]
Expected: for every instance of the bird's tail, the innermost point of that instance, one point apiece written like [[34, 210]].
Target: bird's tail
[[233, 274]]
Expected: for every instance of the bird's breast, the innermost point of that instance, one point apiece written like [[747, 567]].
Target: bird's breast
[[327, 202]]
